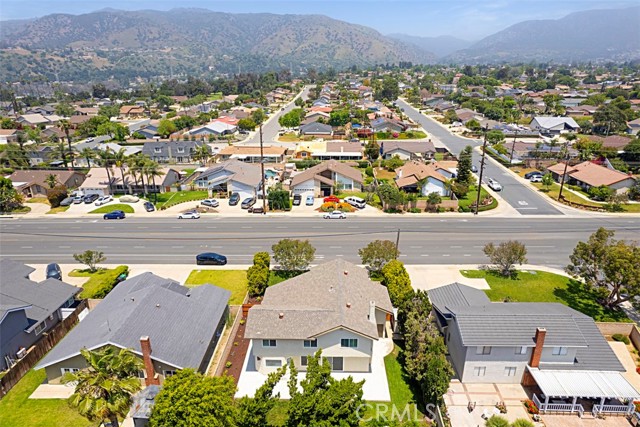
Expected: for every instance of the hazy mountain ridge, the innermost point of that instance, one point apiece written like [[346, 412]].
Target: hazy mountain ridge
[[611, 34], [440, 46]]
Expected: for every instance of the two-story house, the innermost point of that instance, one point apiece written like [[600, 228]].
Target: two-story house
[[334, 307], [171, 151]]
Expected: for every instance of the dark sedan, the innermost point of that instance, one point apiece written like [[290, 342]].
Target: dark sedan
[[68, 201], [211, 258], [148, 206], [53, 271], [234, 199], [114, 215], [90, 198], [531, 174]]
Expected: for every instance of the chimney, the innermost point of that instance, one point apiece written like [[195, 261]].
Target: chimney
[[372, 312], [145, 345], [537, 351]]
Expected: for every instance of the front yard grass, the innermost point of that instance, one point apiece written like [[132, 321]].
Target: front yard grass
[[38, 200], [17, 410], [471, 197], [58, 209], [232, 280], [113, 207], [541, 286], [100, 283], [169, 199]]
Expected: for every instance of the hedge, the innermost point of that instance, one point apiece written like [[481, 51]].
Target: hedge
[[102, 282]]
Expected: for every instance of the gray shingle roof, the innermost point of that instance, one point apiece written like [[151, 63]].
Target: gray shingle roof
[[44, 298], [179, 321], [456, 294], [317, 302], [245, 173]]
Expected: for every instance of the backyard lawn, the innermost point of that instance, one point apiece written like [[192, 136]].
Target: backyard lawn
[[115, 207], [540, 286], [17, 410], [399, 389]]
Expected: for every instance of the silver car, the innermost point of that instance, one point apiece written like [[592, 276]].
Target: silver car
[[212, 203], [335, 215], [189, 215], [494, 185]]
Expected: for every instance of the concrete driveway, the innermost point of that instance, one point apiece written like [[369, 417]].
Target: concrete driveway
[[426, 277]]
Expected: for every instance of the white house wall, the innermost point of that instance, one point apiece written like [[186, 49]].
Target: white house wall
[[308, 186], [433, 185]]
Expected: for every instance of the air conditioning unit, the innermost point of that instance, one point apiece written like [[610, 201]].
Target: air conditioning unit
[[21, 353]]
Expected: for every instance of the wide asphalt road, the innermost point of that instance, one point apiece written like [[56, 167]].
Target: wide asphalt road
[[431, 240], [519, 196]]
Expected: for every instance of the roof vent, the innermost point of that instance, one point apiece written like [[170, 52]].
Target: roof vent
[[281, 315], [348, 305], [346, 273], [157, 305]]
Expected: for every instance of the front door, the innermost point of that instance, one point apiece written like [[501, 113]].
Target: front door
[[336, 363]]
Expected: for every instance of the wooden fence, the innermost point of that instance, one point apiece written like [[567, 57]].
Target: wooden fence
[[39, 349]]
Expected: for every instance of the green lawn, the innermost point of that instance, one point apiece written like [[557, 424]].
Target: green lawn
[[17, 410], [99, 282], [166, 200], [471, 197], [58, 210], [399, 389], [116, 207], [540, 286], [233, 280], [38, 200]]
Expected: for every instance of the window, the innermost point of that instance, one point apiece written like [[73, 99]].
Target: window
[[68, 370], [273, 363], [560, 351], [180, 149], [479, 371], [142, 374], [310, 343], [157, 150], [40, 327], [303, 361], [349, 342], [268, 343], [169, 373], [510, 371], [483, 350], [521, 350]]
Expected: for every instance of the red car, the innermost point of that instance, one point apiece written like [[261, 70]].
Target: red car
[[331, 199]]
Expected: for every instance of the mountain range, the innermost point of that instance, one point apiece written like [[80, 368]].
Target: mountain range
[[151, 43]]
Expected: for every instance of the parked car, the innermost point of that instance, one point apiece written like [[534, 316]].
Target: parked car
[[114, 215], [53, 271], [234, 199], [68, 201], [335, 215], [309, 201], [210, 258], [78, 199], [256, 209], [149, 207], [90, 198], [528, 175], [103, 200], [212, 203], [356, 202], [536, 178], [189, 215], [297, 199], [129, 199], [331, 199], [248, 202], [494, 185]]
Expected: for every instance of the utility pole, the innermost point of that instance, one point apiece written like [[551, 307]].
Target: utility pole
[[397, 244], [513, 147], [264, 191], [564, 174], [484, 149]]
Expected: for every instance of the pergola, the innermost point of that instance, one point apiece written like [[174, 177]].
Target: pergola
[[574, 384]]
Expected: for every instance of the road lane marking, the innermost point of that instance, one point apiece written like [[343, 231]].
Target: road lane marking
[[523, 203], [415, 247], [335, 247], [446, 255], [524, 209], [424, 255], [102, 247], [455, 247], [67, 247], [466, 255], [139, 247], [27, 247]]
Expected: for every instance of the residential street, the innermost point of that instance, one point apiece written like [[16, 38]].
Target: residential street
[[520, 197], [443, 240]]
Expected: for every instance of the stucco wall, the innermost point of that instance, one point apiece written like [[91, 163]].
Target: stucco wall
[[432, 185], [13, 336]]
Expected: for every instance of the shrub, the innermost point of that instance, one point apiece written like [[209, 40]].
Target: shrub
[[601, 193], [258, 279], [497, 421], [56, 195], [531, 407], [107, 279], [363, 164], [522, 422], [414, 210], [262, 259], [621, 338], [369, 171]]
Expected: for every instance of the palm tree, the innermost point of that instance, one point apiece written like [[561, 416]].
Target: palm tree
[[60, 150], [120, 159], [152, 170], [138, 167], [104, 389], [105, 159], [51, 180], [88, 154], [202, 154], [66, 125]]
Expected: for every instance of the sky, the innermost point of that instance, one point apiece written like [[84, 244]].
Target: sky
[[465, 19]]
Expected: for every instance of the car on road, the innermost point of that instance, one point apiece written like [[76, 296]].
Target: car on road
[[114, 215], [297, 199], [248, 202], [535, 178], [474, 169], [129, 198], [189, 215], [212, 203], [356, 202], [90, 198], [234, 199], [210, 258], [103, 200], [331, 199], [309, 201], [68, 201], [149, 207], [494, 185], [53, 271], [528, 175], [335, 215]]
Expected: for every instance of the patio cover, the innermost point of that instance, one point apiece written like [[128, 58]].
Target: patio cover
[[586, 384]]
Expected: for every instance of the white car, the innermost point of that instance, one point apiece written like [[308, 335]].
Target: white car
[[129, 199], [335, 215], [103, 200], [494, 185], [356, 202], [189, 215], [536, 178], [212, 203]]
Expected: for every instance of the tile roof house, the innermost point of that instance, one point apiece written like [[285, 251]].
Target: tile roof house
[[548, 125], [251, 154], [588, 174], [169, 326], [334, 307], [28, 308], [132, 111], [232, 176], [434, 177], [325, 178], [408, 150], [33, 183], [530, 343]]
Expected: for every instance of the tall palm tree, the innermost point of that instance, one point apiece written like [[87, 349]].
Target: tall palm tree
[[60, 150], [66, 125], [138, 167], [201, 153], [51, 180], [152, 170], [104, 389], [88, 154], [105, 159], [120, 160]]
